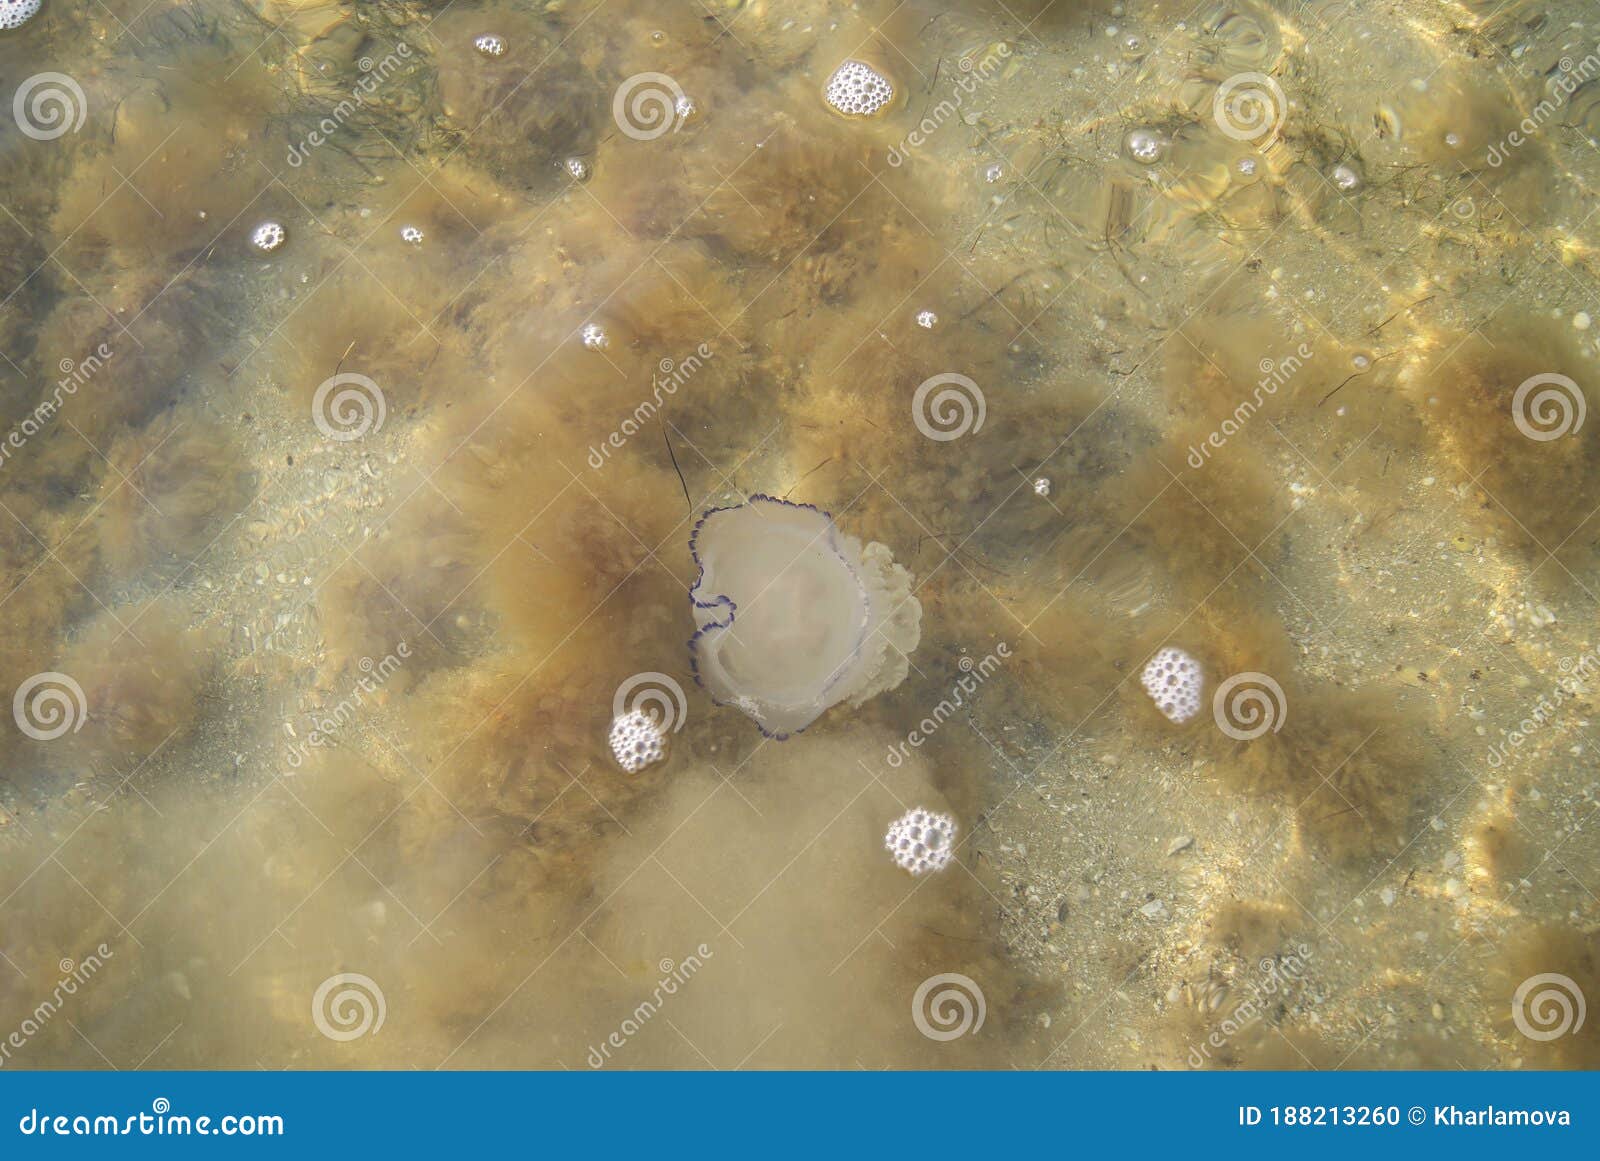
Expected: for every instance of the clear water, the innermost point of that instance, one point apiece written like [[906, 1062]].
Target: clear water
[[1261, 331]]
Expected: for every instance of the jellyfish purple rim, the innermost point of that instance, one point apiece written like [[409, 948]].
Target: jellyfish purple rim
[[723, 601]]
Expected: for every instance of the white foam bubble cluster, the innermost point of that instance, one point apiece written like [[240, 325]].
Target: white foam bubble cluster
[[637, 740], [1173, 681], [268, 236], [857, 90], [16, 13], [921, 841]]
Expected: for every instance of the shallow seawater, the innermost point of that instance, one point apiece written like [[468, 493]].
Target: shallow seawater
[[1258, 331]]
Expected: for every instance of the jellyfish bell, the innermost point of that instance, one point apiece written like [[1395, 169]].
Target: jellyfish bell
[[794, 617]]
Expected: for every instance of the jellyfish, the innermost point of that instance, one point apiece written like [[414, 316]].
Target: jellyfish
[[793, 617]]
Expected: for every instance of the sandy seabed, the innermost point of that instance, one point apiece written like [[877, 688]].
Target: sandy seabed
[[1256, 330]]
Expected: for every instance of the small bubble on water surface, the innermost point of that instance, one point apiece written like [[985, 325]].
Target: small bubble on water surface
[[1146, 146]]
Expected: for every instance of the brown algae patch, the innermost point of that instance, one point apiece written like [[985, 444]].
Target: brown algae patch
[[1207, 334]]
